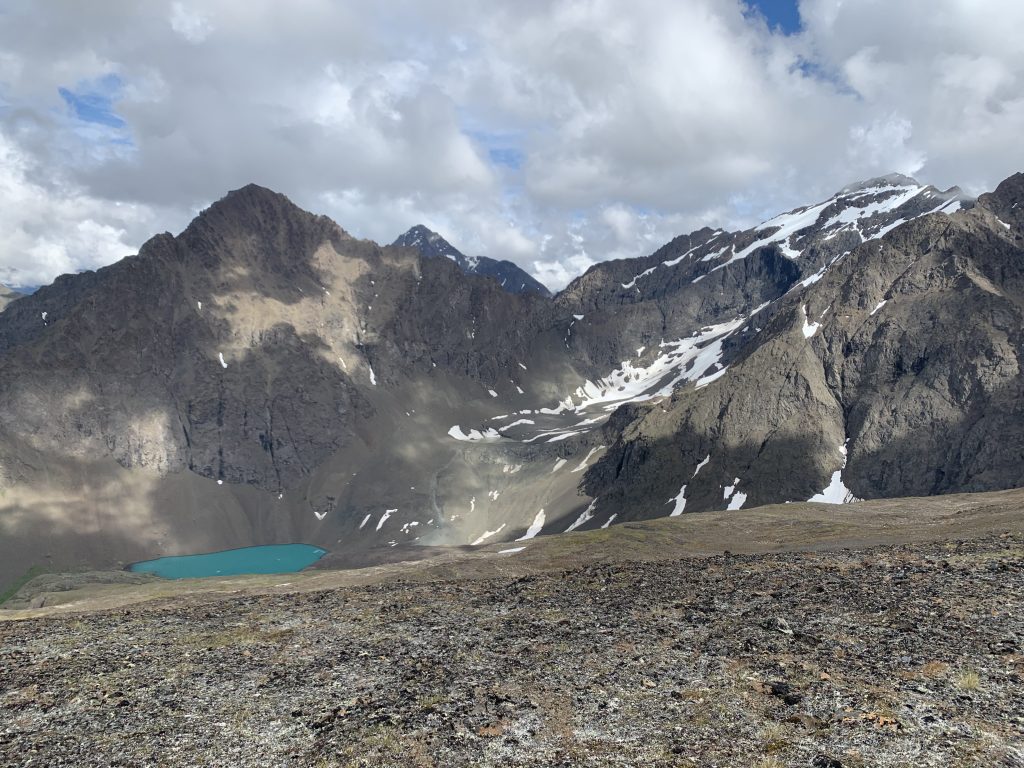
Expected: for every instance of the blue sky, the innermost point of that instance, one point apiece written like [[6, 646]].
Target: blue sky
[[780, 14], [93, 101]]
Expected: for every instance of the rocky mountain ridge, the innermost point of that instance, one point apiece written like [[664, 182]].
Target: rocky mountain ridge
[[264, 377], [431, 245]]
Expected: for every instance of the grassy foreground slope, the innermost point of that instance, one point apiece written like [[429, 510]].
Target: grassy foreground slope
[[882, 634]]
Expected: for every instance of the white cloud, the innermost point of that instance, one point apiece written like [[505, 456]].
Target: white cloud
[[631, 128], [189, 23], [885, 143], [58, 229]]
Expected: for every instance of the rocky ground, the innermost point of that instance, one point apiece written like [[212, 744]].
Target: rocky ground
[[891, 656]]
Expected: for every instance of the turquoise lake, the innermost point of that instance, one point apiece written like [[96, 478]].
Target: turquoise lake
[[274, 558]]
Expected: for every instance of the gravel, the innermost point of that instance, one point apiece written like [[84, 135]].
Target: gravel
[[890, 656]]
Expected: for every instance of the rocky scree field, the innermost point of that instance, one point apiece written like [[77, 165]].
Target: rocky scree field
[[902, 655]]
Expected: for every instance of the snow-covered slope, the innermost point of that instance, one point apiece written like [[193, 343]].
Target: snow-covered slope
[[814, 234]]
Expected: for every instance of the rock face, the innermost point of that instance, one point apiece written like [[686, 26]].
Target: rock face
[[263, 377], [895, 373], [510, 276]]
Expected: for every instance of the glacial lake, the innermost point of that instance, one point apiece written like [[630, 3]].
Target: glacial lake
[[274, 558]]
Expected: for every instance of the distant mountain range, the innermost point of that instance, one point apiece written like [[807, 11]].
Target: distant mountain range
[[263, 377], [431, 245]]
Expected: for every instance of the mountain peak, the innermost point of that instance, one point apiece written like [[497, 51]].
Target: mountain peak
[[257, 209], [888, 180], [432, 245], [254, 197], [429, 243]]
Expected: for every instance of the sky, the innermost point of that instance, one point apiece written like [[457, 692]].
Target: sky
[[554, 133]]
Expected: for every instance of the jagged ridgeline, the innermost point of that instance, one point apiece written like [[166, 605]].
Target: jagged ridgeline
[[510, 276], [264, 377]]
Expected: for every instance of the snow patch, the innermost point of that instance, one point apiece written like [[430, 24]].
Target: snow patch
[[735, 498], [836, 491], [632, 282], [679, 500], [373, 376], [365, 521], [535, 527], [785, 225], [492, 393], [384, 517], [854, 213], [220, 356], [809, 328], [585, 516], [516, 423], [887, 229], [701, 466], [486, 535], [881, 304], [511, 551], [673, 262], [487, 436], [559, 463], [683, 360], [737, 501], [705, 380], [717, 254], [609, 521], [583, 464]]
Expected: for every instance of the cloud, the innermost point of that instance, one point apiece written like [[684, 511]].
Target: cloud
[[55, 229], [190, 23], [886, 143], [555, 133]]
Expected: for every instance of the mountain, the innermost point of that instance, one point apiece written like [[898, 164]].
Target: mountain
[[892, 372], [263, 377], [431, 245], [7, 295]]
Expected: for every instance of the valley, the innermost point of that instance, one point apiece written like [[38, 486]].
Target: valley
[[265, 378]]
